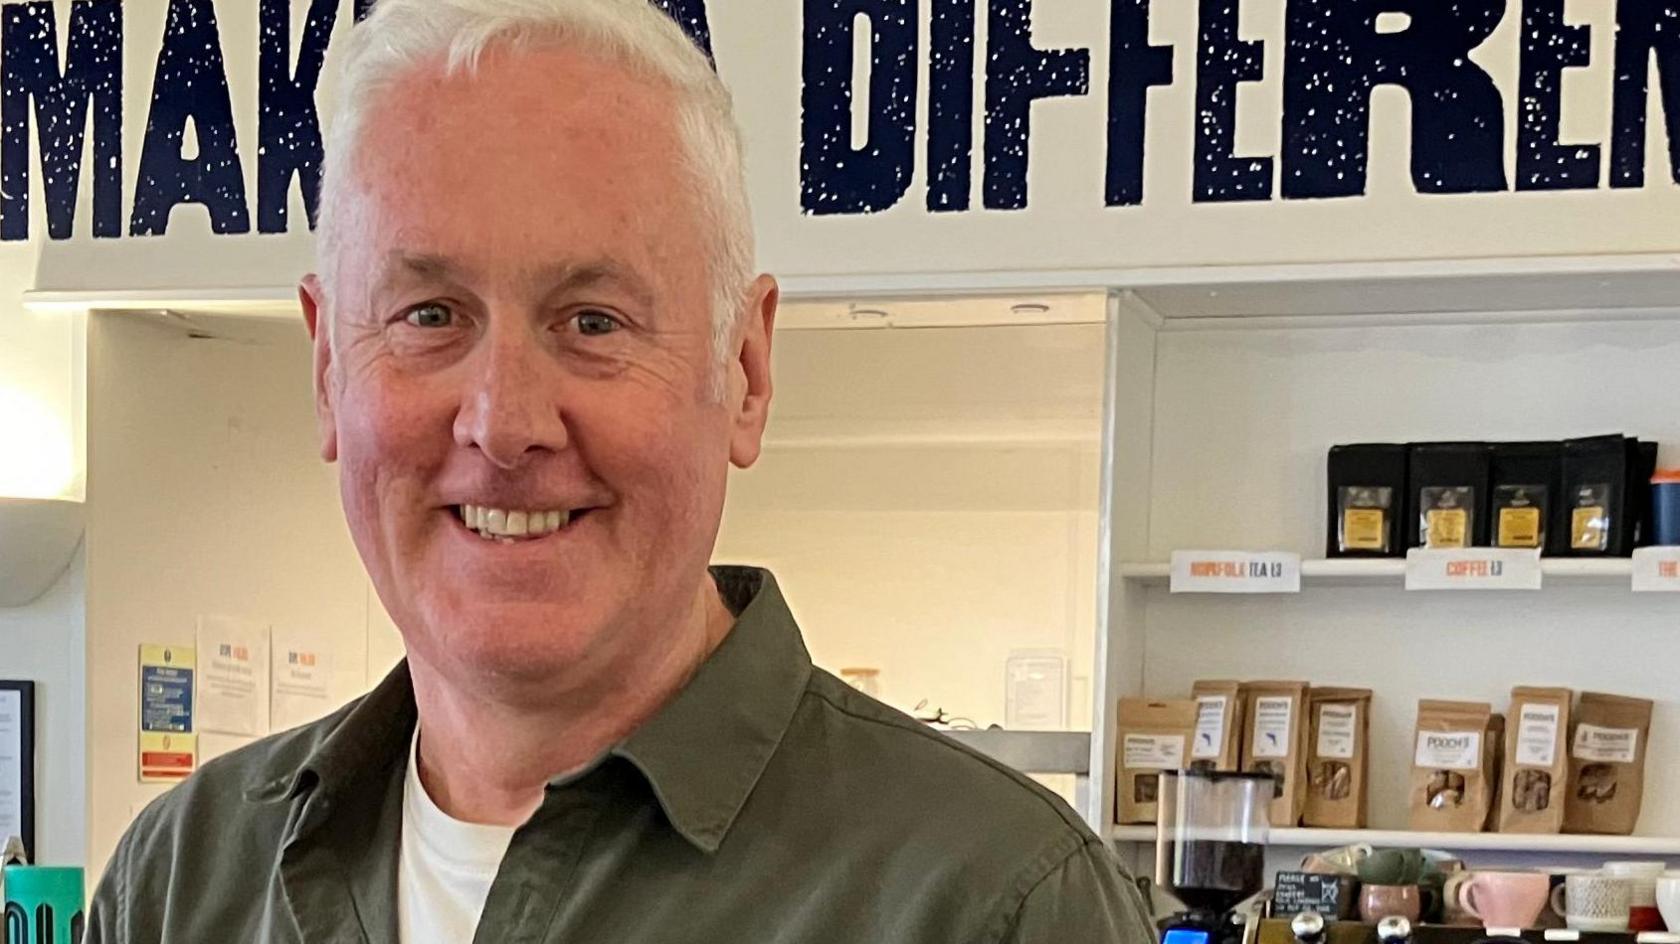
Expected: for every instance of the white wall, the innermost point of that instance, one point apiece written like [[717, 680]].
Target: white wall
[[206, 496], [46, 642]]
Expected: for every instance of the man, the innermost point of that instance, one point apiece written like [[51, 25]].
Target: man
[[538, 348]]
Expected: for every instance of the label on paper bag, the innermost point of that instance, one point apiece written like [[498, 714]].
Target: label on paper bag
[[1365, 529], [1154, 751], [1656, 570], [1473, 568], [1606, 745], [1449, 750], [1537, 733], [1273, 723], [1336, 731], [1519, 527], [1235, 572], [1210, 727]]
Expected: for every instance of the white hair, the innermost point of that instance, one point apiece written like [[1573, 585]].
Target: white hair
[[403, 34]]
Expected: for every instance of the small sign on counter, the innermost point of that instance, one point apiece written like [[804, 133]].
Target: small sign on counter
[[1656, 570], [1473, 568], [1235, 572]]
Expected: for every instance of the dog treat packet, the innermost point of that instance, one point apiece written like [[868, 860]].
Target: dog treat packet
[[1536, 774], [1452, 785], [1155, 735], [1607, 764], [1338, 758], [1219, 719], [1276, 743]]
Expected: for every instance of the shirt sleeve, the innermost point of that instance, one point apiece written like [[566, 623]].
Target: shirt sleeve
[[1088, 897], [104, 913]]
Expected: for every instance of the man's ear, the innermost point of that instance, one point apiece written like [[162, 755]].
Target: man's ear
[[313, 299], [750, 389]]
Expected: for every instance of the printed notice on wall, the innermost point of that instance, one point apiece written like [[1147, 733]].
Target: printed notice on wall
[[1154, 751], [1210, 727], [1537, 733], [301, 682], [1335, 731], [1273, 724], [11, 764], [1449, 750], [1606, 745], [233, 676], [168, 740]]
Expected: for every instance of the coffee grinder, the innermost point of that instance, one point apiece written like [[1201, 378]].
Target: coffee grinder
[[1210, 851]]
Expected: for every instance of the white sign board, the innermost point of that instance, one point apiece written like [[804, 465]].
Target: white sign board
[[1656, 570], [1235, 572], [1473, 568]]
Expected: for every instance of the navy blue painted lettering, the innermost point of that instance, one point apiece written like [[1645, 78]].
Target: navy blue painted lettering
[[1222, 63], [951, 106], [1017, 74], [1549, 47], [1645, 29], [834, 176], [1337, 55], [29, 71], [1134, 67], [288, 126], [190, 85]]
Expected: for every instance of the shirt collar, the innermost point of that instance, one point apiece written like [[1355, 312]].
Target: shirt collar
[[704, 752]]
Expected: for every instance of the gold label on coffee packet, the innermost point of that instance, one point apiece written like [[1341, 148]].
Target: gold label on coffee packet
[[1365, 529], [1448, 528], [1588, 532], [1519, 527]]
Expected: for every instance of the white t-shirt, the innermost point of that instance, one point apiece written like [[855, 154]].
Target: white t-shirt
[[444, 867]]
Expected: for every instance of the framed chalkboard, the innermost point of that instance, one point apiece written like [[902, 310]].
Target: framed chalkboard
[[17, 763]]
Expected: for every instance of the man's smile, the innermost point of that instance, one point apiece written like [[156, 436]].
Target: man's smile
[[509, 526]]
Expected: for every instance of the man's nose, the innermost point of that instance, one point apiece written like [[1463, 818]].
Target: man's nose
[[510, 409]]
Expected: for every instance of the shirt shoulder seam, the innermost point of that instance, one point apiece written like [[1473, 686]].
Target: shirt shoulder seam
[[1075, 826], [1009, 914]]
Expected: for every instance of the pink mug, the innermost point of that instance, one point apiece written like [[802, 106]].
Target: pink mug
[[1505, 899]]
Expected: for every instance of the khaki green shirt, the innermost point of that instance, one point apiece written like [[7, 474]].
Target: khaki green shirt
[[767, 802]]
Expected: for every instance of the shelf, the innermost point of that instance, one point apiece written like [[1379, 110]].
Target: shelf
[[1452, 842], [1570, 571]]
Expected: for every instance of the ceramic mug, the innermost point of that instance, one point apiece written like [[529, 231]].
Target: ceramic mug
[[1593, 901], [1453, 912], [1377, 902], [1504, 899], [1643, 914], [1668, 898], [43, 904]]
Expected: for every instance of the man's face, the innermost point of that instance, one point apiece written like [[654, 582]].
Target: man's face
[[523, 325]]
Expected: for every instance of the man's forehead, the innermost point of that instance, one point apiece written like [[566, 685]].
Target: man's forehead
[[398, 265]]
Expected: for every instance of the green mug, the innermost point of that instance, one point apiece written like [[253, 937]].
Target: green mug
[[44, 905]]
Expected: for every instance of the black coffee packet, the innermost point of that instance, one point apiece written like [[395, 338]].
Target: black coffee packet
[[1526, 479], [1447, 495], [1592, 517], [1367, 501]]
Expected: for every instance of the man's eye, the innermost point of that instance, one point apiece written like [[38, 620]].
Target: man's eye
[[592, 323], [430, 316]]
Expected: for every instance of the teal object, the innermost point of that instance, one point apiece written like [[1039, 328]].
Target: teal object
[[44, 905]]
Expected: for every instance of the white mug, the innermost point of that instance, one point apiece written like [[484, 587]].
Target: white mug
[[1668, 898], [1593, 901]]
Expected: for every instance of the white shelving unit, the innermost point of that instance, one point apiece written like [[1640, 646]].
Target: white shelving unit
[[1354, 572], [1451, 842], [1226, 392]]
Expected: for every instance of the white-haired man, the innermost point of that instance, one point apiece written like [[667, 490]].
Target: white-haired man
[[539, 346]]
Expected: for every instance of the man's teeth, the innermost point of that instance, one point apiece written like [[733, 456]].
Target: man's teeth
[[501, 523]]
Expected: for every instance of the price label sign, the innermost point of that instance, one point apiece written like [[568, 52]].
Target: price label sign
[[1656, 570], [1235, 572], [1473, 568]]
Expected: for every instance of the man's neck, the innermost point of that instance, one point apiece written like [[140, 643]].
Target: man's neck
[[486, 760]]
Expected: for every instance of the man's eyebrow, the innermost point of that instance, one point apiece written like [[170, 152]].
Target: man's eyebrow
[[400, 264], [569, 276]]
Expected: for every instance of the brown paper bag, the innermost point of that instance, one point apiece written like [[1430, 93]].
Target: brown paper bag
[[1493, 767], [1338, 758], [1275, 742], [1607, 764], [1452, 785], [1218, 743], [1536, 775], [1154, 735]]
